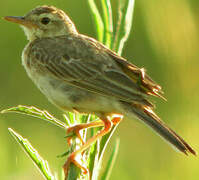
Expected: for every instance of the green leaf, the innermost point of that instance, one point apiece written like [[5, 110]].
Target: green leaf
[[67, 120], [33, 111], [97, 19], [63, 154], [85, 118], [125, 18], [111, 161], [72, 117], [93, 163], [104, 142], [74, 172], [33, 154], [108, 22]]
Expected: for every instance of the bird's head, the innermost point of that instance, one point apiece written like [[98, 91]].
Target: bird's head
[[44, 21]]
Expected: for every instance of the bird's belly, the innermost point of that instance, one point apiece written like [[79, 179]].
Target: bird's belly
[[71, 98]]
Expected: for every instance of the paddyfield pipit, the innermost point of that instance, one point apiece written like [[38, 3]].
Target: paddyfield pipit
[[78, 73]]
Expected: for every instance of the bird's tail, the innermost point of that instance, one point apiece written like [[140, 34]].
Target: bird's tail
[[146, 115]]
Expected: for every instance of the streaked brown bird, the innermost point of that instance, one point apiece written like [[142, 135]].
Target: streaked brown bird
[[78, 73]]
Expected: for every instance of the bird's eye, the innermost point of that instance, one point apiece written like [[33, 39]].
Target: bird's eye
[[45, 20]]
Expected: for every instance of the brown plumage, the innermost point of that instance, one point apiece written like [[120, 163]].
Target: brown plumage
[[78, 73]]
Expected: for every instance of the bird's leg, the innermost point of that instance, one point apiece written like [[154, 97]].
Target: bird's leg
[[77, 128], [116, 119], [71, 159]]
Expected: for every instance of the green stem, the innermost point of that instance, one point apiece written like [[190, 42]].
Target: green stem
[[97, 19], [111, 161], [125, 17], [108, 22]]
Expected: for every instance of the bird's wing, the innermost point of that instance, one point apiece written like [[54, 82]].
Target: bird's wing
[[94, 70], [91, 76], [138, 75]]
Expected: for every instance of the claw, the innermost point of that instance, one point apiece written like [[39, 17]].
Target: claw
[[76, 129], [74, 156], [71, 159]]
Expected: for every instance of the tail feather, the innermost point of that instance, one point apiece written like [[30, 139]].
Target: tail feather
[[146, 114]]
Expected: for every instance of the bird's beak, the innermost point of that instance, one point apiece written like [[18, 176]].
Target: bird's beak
[[21, 20]]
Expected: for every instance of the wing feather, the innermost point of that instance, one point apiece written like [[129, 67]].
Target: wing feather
[[108, 83], [94, 69]]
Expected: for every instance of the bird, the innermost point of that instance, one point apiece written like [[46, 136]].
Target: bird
[[78, 73]]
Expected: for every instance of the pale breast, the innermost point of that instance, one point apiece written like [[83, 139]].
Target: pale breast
[[71, 98]]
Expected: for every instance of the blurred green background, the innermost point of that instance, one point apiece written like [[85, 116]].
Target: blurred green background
[[164, 39]]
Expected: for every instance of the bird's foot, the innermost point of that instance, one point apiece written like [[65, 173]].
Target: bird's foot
[[71, 159], [75, 130]]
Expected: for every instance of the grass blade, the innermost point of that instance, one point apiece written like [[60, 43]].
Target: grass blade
[[125, 17], [97, 19], [108, 22], [104, 142], [33, 154], [111, 161], [93, 164], [35, 112]]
